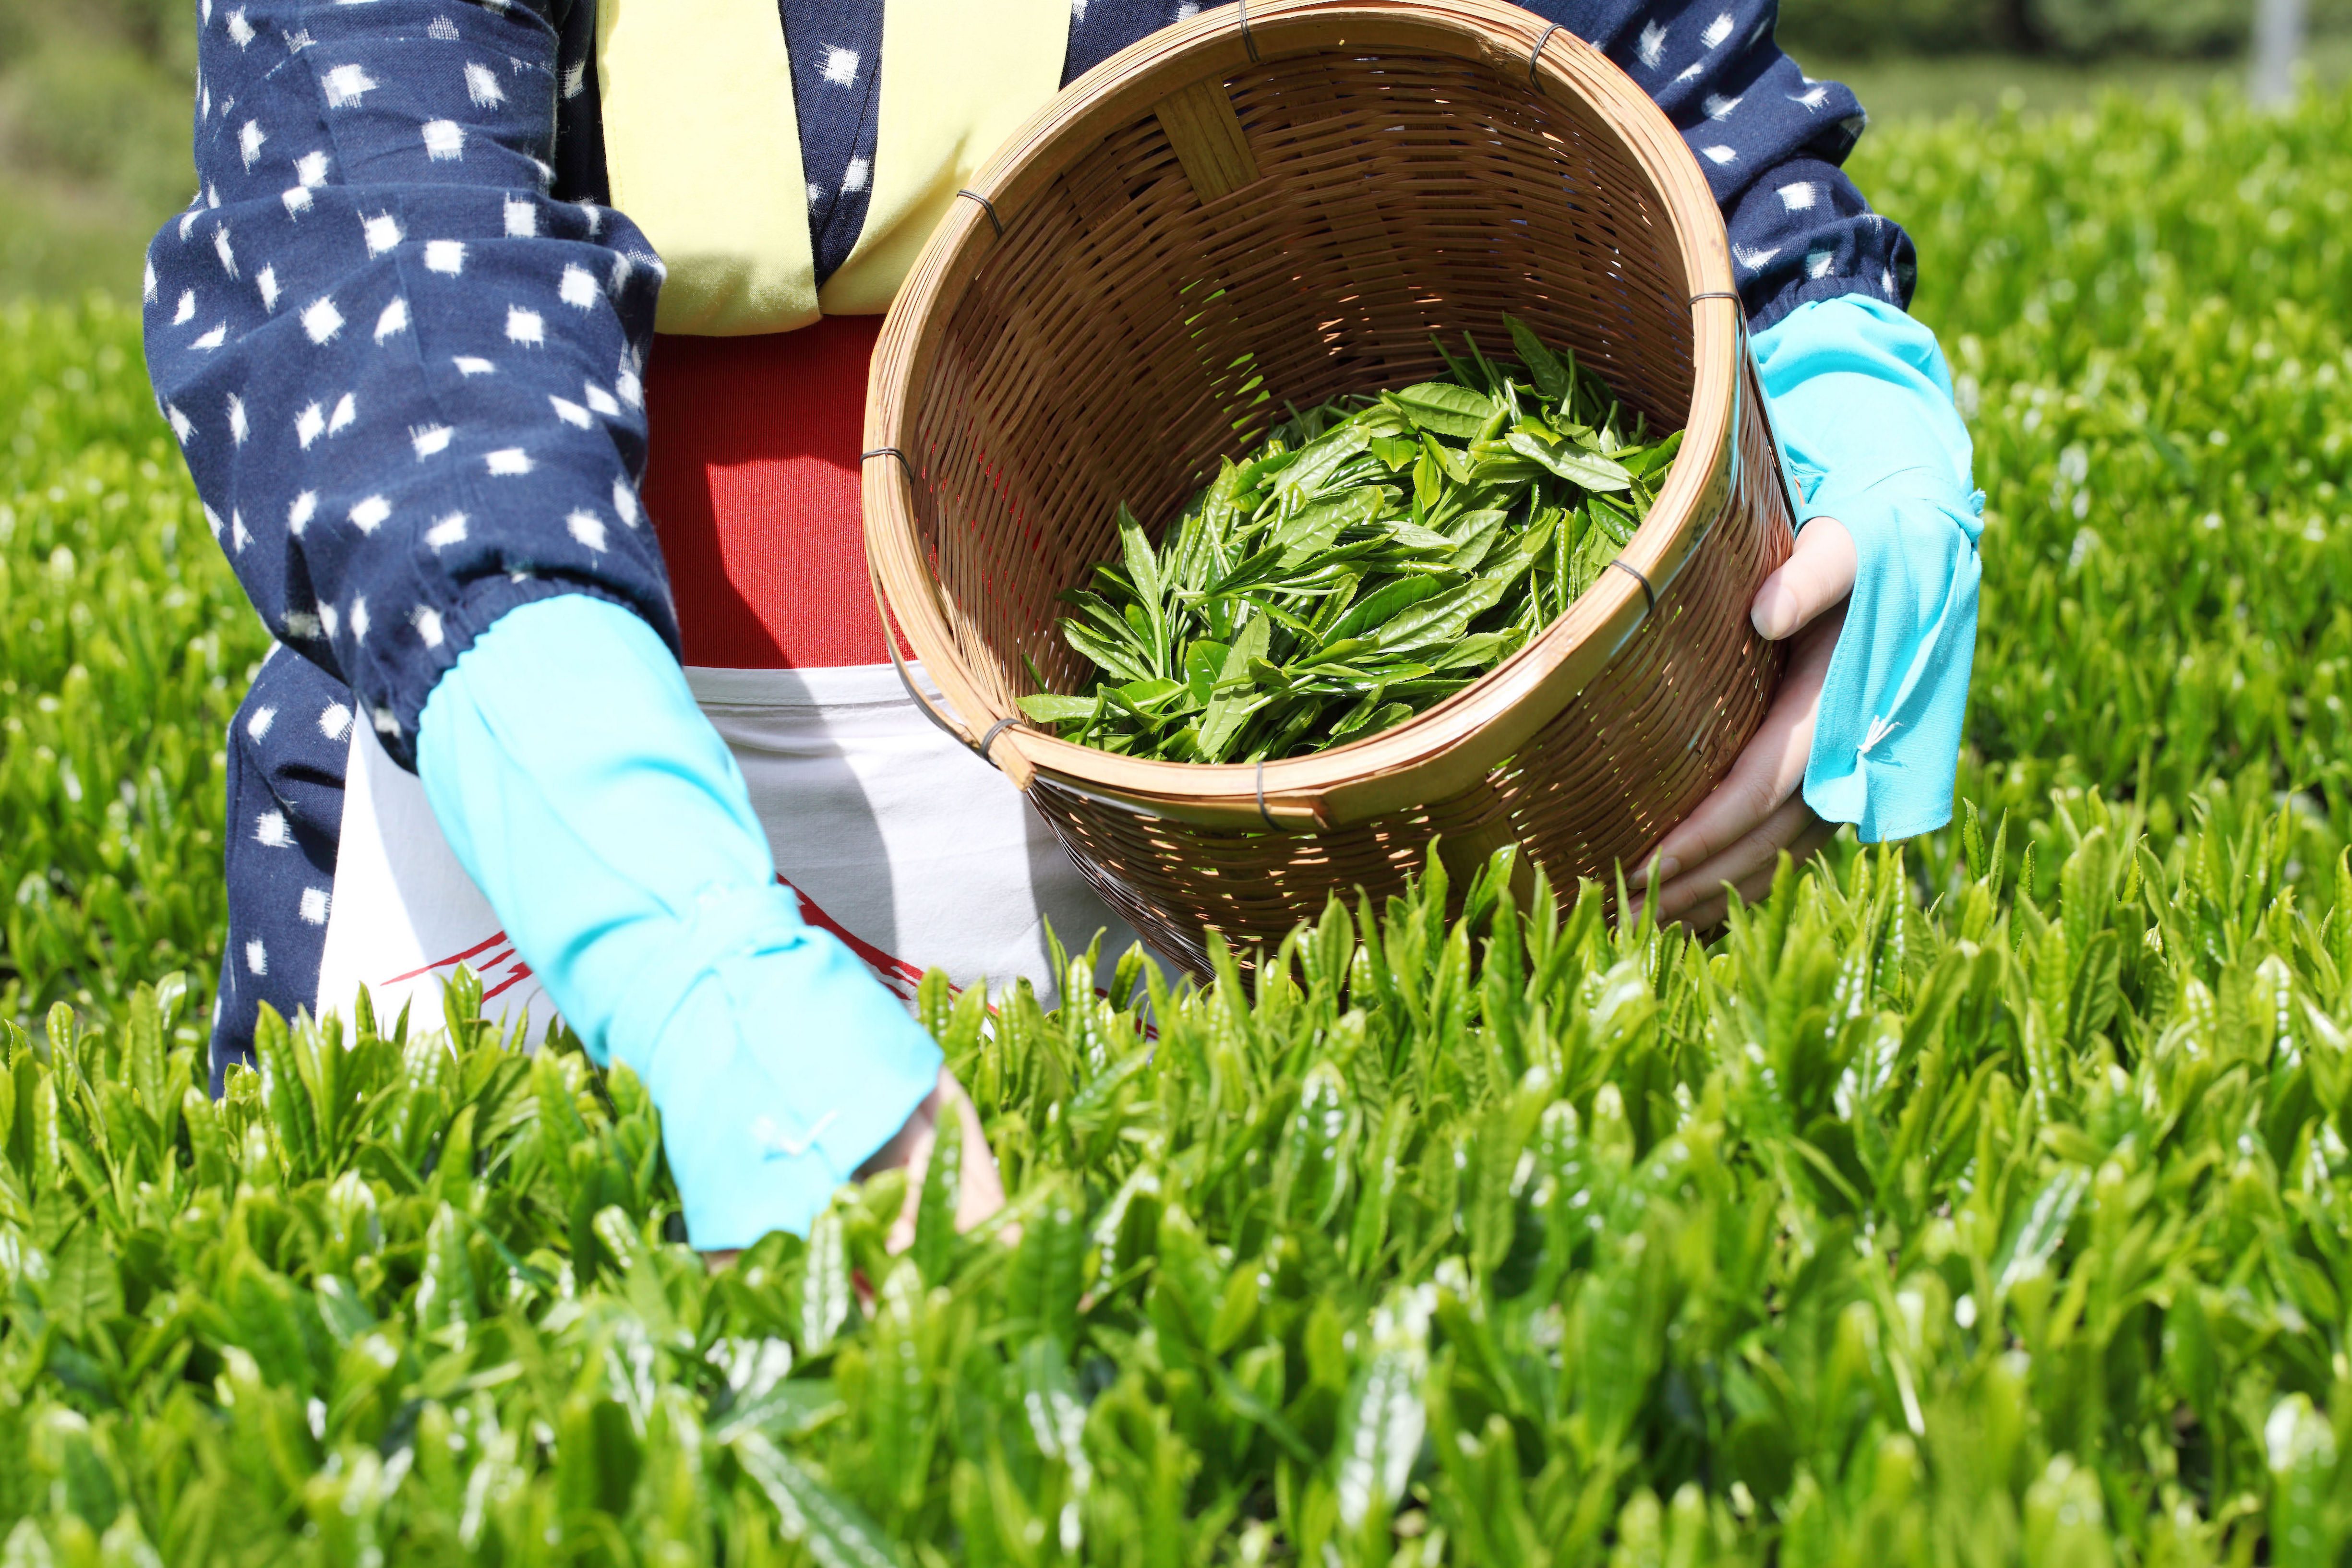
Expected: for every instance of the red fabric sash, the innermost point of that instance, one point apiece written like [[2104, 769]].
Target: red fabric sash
[[751, 479]]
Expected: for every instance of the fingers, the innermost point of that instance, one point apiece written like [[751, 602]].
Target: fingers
[[1818, 574], [1754, 851], [1765, 774], [980, 1191], [1712, 910], [914, 1144]]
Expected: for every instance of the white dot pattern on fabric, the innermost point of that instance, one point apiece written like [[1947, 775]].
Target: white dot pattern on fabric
[[840, 66], [335, 720], [346, 84], [321, 319], [271, 828], [257, 956], [258, 726], [315, 900], [482, 86]]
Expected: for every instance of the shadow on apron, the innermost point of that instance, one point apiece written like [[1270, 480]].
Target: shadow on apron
[[896, 839]]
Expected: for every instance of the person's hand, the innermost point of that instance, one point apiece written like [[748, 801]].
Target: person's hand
[[1735, 837], [979, 1193]]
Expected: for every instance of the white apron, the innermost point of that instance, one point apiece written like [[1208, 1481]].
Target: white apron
[[895, 838]]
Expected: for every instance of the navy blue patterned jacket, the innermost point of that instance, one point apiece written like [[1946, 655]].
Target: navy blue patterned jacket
[[401, 338]]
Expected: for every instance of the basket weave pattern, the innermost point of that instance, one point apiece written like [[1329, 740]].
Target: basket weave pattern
[[1209, 226]]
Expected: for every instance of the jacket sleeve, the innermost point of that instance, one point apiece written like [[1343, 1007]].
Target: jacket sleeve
[[1770, 139], [404, 376]]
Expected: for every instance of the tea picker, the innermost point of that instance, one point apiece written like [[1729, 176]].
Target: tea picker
[[579, 683]]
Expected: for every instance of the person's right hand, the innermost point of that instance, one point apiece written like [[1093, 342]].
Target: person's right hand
[[1732, 841]]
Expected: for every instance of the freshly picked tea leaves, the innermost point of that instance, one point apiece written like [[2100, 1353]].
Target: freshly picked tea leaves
[[1374, 554]]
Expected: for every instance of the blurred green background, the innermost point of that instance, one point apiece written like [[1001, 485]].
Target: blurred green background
[[94, 95]]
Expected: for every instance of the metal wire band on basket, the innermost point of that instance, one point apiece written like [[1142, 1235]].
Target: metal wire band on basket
[[1731, 295], [989, 739], [990, 208], [1536, 54], [1648, 594], [1248, 42], [1266, 815], [890, 451]]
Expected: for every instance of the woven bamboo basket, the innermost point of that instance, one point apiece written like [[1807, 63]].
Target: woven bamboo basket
[[1289, 200]]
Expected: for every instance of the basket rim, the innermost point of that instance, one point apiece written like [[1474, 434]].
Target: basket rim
[[1448, 749]]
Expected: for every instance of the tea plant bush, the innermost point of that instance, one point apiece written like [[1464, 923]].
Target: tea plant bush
[[125, 644], [1985, 1202], [2015, 1234]]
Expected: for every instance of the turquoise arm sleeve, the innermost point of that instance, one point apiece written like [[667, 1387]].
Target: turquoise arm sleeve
[[608, 826], [1862, 402]]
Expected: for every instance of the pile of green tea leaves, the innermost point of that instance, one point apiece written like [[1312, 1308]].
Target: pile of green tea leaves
[[1374, 554]]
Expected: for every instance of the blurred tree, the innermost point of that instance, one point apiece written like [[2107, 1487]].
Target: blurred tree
[[2085, 28], [94, 133], [2079, 29]]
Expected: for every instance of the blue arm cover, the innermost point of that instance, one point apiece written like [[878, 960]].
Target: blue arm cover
[[1862, 402], [606, 824]]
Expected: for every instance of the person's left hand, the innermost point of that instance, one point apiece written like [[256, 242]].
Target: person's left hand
[[1734, 839], [980, 1191]]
